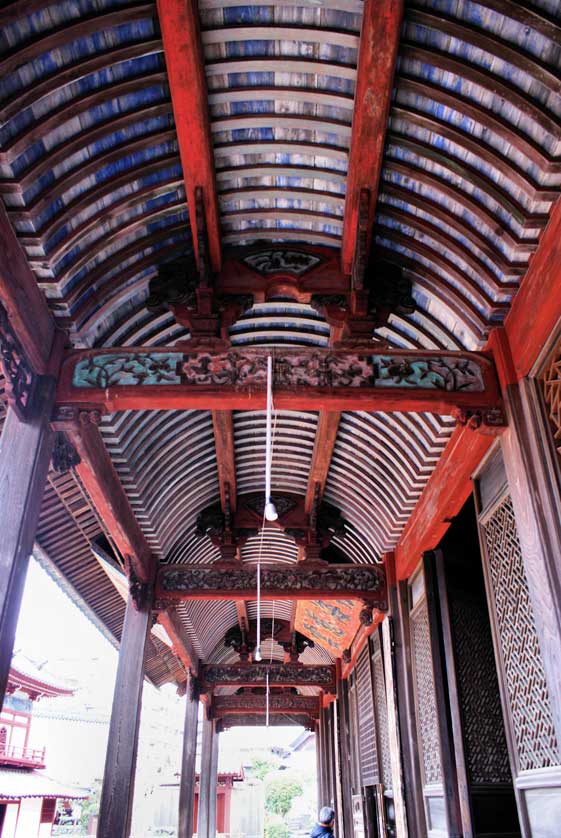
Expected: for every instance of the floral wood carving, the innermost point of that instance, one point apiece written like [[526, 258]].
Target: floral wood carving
[[288, 674], [295, 368], [18, 374], [285, 701], [340, 582]]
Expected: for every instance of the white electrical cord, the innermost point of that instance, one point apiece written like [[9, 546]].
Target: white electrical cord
[[270, 512]]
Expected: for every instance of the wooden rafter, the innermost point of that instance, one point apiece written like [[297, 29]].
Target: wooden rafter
[[98, 475], [179, 23], [376, 64], [324, 444], [181, 645], [223, 426], [20, 296]]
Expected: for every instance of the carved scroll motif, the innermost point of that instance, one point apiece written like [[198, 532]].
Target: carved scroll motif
[[285, 702], [127, 369], [317, 368], [294, 262], [19, 377], [342, 581], [256, 674]]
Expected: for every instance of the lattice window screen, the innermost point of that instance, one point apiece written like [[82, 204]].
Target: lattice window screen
[[527, 689], [426, 699], [551, 386], [366, 721], [382, 714], [478, 692]]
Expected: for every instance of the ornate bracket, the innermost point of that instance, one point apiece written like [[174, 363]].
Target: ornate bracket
[[20, 379], [486, 420], [229, 532], [65, 455], [297, 645], [141, 592]]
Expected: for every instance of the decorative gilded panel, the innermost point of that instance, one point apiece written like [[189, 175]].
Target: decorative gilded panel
[[426, 699], [527, 689]]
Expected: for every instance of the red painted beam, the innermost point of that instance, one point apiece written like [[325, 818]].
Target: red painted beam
[[535, 313], [536, 309], [27, 309], [444, 495], [179, 23], [379, 42]]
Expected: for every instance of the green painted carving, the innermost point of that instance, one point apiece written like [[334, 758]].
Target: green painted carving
[[124, 369]]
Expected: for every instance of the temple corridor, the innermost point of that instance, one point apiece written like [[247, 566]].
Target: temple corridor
[[280, 377]]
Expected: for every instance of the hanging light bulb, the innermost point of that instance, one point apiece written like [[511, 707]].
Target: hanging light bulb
[[271, 513], [257, 654]]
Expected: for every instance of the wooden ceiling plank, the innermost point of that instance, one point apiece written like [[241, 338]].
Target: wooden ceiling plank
[[376, 66], [179, 22]]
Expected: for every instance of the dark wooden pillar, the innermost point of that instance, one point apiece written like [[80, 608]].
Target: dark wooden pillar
[[25, 451], [324, 756], [120, 762], [318, 761], [399, 603], [188, 773], [203, 825], [394, 737], [213, 785], [345, 757], [444, 722]]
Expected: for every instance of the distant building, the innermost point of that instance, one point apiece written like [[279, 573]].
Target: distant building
[[28, 797]]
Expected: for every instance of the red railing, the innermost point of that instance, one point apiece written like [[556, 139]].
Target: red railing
[[15, 755]]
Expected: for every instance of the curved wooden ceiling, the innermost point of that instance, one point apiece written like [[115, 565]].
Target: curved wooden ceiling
[[91, 176]]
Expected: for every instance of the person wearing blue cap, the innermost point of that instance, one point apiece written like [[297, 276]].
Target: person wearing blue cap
[[324, 826]]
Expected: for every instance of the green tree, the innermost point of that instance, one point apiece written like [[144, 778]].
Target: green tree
[[91, 805], [261, 767], [276, 830], [280, 794]]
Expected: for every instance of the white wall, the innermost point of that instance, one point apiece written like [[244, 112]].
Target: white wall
[[29, 817], [10, 820]]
